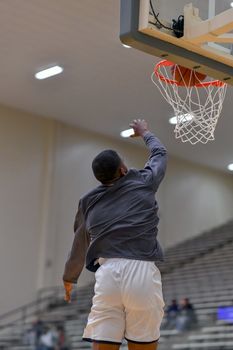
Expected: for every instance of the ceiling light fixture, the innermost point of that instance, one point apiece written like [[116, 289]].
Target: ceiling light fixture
[[230, 167], [49, 72], [185, 118], [127, 46], [231, 4], [127, 133]]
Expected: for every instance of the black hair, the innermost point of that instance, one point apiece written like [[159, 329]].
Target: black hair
[[105, 165]]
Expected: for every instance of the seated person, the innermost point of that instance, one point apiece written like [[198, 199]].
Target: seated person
[[187, 317], [172, 312]]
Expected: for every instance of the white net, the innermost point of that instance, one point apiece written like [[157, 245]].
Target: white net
[[196, 107]]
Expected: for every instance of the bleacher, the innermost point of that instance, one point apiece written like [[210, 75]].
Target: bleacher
[[198, 246], [200, 269]]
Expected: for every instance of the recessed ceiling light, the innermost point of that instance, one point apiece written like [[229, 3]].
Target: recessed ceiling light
[[230, 167], [231, 4], [49, 72], [127, 46], [185, 118], [127, 133]]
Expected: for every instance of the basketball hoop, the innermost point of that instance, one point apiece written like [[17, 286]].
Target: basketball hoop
[[197, 106]]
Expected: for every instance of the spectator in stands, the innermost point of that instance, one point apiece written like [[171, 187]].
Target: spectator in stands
[[187, 317], [49, 340], [63, 342], [172, 312], [38, 329]]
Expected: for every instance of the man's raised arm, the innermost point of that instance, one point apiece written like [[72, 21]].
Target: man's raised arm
[[155, 167]]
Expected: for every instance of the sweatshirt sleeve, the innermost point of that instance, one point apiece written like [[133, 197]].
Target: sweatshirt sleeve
[[76, 259], [155, 167]]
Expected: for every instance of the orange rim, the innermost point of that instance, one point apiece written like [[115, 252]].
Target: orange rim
[[166, 63]]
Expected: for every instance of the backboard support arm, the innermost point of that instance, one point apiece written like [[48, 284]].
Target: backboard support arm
[[212, 30]]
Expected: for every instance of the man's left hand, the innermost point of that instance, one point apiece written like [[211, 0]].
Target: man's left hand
[[68, 289]]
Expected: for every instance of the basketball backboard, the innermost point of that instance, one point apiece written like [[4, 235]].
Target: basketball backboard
[[205, 44]]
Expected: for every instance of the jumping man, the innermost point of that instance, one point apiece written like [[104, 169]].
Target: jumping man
[[115, 233]]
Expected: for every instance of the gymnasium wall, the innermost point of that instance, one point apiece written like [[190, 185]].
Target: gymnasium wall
[[22, 150], [195, 199], [45, 168]]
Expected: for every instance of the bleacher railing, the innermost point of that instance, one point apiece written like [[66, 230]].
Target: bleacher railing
[[29, 312]]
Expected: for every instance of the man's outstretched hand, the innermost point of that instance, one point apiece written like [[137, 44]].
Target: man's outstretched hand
[[68, 289], [140, 127]]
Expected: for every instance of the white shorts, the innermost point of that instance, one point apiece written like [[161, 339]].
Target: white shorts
[[128, 302]]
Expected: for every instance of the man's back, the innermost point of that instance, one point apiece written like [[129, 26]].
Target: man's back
[[122, 220]]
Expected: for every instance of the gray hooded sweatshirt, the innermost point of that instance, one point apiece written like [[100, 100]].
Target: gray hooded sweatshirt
[[120, 221]]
